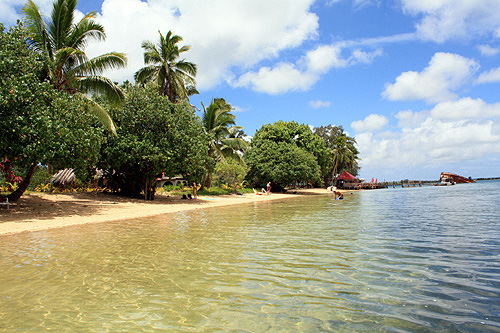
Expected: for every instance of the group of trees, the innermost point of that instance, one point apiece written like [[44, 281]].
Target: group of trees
[[288, 152], [57, 109]]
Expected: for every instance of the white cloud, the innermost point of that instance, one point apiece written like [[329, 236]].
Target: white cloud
[[359, 56], [465, 108], [8, 13], [446, 72], [324, 58], [451, 132], [488, 51], [239, 109], [224, 34], [411, 119], [448, 19], [280, 79], [372, 123], [492, 75], [319, 104], [285, 77]]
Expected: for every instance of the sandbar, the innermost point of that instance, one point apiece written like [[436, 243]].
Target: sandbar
[[42, 211]]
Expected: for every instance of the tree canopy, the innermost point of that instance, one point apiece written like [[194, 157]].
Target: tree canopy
[[225, 141], [284, 152], [343, 154], [60, 44], [155, 136], [174, 78], [39, 124]]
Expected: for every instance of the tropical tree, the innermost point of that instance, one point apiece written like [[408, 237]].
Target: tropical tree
[[343, 154], [39, 125], [285, 152], [155, 136], [225, 140], [60, 43], [174, 78]]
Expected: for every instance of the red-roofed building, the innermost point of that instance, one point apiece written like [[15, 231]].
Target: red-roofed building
[[347, 181]]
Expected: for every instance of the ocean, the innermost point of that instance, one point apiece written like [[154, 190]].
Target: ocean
[[404, 259]]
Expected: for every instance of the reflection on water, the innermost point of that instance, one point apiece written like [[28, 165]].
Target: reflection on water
[[398, 259]]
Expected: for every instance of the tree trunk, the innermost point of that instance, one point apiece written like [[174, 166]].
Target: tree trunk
[[14, 196], [334, 179], [208, 180], [205, 182]]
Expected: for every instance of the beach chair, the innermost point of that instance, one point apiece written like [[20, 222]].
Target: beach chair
[[256, 192]]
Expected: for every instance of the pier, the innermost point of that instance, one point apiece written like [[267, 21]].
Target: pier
[[393, 184]]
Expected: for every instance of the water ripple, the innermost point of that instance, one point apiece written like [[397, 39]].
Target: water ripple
[[420, 259]]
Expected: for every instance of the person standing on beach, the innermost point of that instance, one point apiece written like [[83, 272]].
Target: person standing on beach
[[269, 188]]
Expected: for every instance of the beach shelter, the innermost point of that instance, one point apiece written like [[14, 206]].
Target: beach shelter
[[346, 180]]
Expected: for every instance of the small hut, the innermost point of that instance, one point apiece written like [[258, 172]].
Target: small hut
[[347, 181], [64, 178]]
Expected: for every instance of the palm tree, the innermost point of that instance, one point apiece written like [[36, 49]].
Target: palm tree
[[226, 140], [345, 154], [174, 78], [60, 42]]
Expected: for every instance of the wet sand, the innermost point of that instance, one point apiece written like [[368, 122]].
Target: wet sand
[[40, 211]]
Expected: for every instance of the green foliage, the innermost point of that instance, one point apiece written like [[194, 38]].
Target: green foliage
[[343, 154], [174, 78], [225, 140], [154, 136], [285, 152], [41, 125], [40, 178], [60, 43], [231, 172]]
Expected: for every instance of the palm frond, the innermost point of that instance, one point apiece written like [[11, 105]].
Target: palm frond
[[36, 27], [99, 85], [187, 68], [99, 64], [145, 74], [235, 143], [85, 30], [101, 114], [61, 21]]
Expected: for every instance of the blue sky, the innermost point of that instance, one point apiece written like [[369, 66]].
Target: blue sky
[[416, 82]]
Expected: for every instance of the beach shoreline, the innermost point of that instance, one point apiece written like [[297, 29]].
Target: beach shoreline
[[41, 211]]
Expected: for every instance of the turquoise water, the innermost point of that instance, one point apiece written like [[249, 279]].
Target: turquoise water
[[412, 259]]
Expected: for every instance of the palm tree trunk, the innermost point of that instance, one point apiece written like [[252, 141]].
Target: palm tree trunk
[[334, 173], [14, 196]]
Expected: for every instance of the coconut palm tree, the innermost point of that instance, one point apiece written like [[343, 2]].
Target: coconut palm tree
[[226, 140], [175, 78], [345, 154], [60, 43]]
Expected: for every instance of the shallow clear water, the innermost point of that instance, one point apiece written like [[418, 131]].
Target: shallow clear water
[[413, 259]]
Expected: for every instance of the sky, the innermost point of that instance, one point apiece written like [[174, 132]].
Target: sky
[[415, 82]]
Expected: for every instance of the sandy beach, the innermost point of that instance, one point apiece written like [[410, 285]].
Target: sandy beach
[[40, 211]]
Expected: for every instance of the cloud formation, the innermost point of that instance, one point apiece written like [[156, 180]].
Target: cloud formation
[[450, 132], [225, 35], [493, 75], [446, 72], [372, 123], [488, 50], [282, 78], [443, 20], [319, 104]]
